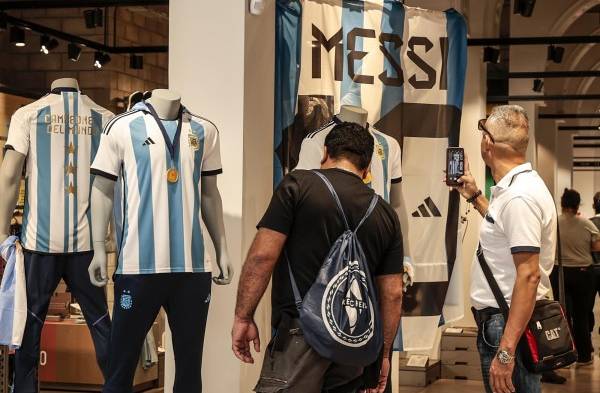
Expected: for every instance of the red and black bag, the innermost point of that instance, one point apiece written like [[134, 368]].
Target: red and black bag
[[547, 343]]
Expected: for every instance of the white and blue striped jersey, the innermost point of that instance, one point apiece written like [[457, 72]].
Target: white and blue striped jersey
[[59, 134], [161, 228], [386, 163]]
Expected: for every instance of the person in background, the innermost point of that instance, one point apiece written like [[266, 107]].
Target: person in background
[[596, 257], [578, 238]]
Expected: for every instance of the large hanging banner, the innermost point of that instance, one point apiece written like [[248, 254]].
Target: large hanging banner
[[406, 66]]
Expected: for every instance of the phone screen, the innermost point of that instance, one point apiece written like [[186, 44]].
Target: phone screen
[[455, 165]]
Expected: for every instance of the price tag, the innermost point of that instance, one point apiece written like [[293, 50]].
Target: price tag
[[417, 361]]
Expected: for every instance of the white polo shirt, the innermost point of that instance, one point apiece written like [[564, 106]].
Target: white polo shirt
[[521, 218]]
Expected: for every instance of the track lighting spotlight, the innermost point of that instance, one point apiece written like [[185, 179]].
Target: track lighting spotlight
[[3, 21], [73, 51], [136, 62], [524, 7], [101, 59], [556, 53], [93, 18], [491, 55], [17, 36], [47, 44], [538, 85]]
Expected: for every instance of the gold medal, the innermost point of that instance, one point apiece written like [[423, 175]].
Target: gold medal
[[172, 175]]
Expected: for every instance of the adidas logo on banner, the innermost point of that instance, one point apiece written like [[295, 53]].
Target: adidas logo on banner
[[427, 209], [148, 141]]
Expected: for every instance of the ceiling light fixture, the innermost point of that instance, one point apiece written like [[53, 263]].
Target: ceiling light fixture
[[17, 36], [491, 55], [73, 51], [101, 59], [136, 62], [556, 53], [47, 44], [93, 18]]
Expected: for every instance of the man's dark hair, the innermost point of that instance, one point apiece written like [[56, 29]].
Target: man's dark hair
[[352, 142], [597, 202], [570, 199]]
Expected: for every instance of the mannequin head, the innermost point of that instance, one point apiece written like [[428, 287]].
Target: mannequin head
[[348, 146], [505, 136]]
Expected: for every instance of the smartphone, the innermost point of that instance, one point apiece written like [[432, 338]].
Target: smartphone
[[455, 165]]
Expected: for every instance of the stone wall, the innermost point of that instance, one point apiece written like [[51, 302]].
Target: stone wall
[[29, 70]]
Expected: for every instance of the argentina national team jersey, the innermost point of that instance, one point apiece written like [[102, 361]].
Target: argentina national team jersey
[[386, 163], [59, 134], [161, 228]]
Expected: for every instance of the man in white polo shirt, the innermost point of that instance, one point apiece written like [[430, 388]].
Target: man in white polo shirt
[[518, 240]]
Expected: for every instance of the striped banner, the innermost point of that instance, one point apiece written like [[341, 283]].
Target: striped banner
[[406, 66]]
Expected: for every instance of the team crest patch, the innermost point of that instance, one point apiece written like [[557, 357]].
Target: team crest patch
[[380, 151], [194, 141], [126, 300], [344, 300]]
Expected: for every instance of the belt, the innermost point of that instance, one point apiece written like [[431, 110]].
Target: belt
[[484, 315]]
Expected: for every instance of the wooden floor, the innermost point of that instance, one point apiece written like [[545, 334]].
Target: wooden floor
[[579, 380]]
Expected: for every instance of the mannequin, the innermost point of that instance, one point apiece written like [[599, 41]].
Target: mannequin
[[167, 104], [159, 268], [353, 114], [52, 252]]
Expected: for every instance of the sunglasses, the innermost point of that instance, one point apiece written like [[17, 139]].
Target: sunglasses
[[481, 127]]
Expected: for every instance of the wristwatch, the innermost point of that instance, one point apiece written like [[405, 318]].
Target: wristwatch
[[504, 357]]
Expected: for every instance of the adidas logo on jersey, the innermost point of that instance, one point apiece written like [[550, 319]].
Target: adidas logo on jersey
[[148, 142], [427, 209]]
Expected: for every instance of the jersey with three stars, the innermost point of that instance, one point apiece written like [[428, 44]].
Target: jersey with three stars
[[59, 134], [160, 225], [386, 163]]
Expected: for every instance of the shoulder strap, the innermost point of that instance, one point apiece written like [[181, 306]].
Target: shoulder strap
[[335, 196], [295, 290], [369, 211], [561, 272], [489, 276]]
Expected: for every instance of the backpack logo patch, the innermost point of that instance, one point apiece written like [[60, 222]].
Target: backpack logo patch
[[344, 307]]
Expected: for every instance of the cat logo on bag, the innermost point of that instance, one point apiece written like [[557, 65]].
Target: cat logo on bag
[[344, 298], [552, 334]]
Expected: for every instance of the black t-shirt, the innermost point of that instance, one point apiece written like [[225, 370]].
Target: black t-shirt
[[303, 209]]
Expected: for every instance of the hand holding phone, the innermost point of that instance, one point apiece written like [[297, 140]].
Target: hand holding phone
[[455, 165]]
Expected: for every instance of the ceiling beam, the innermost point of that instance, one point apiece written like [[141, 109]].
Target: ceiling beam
[[568, 115], [541, 97], [84, 41], [27, 4], [574, 39], [578, 128], [553, 74]]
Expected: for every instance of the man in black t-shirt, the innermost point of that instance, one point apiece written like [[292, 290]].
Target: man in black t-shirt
[[303, 218]]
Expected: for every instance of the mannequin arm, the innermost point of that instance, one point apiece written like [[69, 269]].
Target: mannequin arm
[[101, 203], [397, 202], [212, 214], [10, 179]]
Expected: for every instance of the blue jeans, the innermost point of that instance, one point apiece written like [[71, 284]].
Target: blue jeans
[[488, 341]]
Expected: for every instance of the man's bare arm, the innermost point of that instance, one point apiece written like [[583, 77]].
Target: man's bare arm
[[523, 298], [257, 270], [390, 299]]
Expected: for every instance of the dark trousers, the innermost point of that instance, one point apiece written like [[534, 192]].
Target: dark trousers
[[579, 285], [138, 299], [290, 365], [43, 273]]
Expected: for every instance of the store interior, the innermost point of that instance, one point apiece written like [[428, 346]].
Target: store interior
[[222, 59]]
